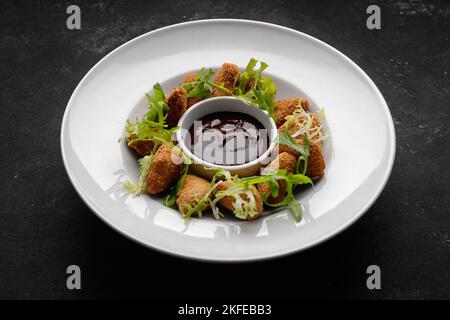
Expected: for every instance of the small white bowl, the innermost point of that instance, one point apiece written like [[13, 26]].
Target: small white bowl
[[225, 104]]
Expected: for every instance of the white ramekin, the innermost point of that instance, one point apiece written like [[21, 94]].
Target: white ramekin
[[225, 104]]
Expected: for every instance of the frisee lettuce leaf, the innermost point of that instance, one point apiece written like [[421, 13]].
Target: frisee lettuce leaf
[[199, 88], [202, 86], [244, 203], [136, 189], [295, 208], [302, 161], [157, 105], [275, 175], [305, 125], [263, 90], [205, 201], [201, 203], [152, 126], [248, 74], [241, 189], [286, 139], [303, 158]]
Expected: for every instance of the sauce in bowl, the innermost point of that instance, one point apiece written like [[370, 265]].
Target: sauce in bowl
[[228, 138]]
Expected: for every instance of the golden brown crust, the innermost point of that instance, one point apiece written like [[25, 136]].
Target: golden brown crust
[[226, 76], [191, 76], [227, 202], [142, 148], [316, 161], [282, 161], [177, 102], [194, 188], [285, 149], [286, 107], [164, 171], [191, 101]]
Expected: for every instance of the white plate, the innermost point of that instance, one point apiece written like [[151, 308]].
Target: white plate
[[359, 154]]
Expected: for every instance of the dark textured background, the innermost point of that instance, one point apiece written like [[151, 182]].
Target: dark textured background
[[44, 225]]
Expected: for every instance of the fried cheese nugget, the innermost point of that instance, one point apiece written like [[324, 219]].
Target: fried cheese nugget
[[177, 102], [286, 107], [194, 188], [316, 161], [227, 76], [227, 202], [165, 170], [192, 76], [282, 161], [142, 148]]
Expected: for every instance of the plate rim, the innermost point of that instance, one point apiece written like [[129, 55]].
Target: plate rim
[[261, 257]]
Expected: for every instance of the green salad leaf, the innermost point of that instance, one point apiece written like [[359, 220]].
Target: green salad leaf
[[302, 161], [295, 208], [136, 189], [244, 202], [241, 190], [202, 86], [262, 91], [157, 106], [205, 201], [152, 126], [291, 180]]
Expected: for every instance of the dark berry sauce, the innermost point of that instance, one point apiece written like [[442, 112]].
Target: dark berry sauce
[[228, 138]]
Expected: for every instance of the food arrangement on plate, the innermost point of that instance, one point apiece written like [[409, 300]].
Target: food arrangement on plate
[[359, 158], [226, 159]]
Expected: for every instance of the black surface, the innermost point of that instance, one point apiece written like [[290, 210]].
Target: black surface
[[44, 225]]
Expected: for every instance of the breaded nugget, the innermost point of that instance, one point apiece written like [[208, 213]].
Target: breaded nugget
[[282, 161], [250, 85], [192, 76], [226, 76], [194, 188], [294, 126], [227, 202], [164, 170], [286, 107], [316, 161], [142, 148], [177, 102]]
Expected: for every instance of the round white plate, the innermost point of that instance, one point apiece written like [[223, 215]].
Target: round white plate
[[359, 154]]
